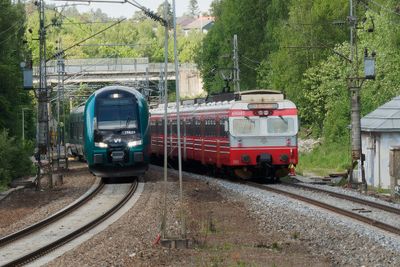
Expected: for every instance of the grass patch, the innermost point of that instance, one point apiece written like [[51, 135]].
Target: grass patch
[[295, 235], [325, 159], [3, 188], [276, 246]]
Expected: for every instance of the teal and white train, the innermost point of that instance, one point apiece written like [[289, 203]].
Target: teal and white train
[[111, 131]]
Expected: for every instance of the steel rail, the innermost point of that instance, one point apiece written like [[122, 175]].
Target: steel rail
[[350, 198], [314, 202], [60, 242], [43, 223]]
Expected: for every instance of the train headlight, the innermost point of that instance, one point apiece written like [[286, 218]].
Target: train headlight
[[245, 158], [284, 158], [101, 144], [134, 143]]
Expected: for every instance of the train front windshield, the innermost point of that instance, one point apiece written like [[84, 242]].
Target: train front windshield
[[117, 111], [256, 126]]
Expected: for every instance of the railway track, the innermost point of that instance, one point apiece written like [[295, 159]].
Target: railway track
[[28, 238], [347, 213], [350, 198]]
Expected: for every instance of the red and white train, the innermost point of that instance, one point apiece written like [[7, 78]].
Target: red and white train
[[253, 136]]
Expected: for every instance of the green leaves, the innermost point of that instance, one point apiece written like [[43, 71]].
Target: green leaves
[[255, 23]]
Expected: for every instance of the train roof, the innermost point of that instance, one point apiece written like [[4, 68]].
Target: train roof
[[254, 96], [122, 88]]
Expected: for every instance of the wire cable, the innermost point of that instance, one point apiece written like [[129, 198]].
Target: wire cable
[[383, 7], [12, 35]]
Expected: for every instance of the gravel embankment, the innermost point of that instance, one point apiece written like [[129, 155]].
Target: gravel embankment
[[343, 240], [28, 206], [355, 193], [364, 210]]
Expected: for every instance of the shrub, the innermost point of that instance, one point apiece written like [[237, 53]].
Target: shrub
[[14, 159], [327, 158]]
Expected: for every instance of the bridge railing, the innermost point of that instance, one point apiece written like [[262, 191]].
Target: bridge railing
[[110, 65]]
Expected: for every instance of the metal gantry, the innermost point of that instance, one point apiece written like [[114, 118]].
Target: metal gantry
[[43, 141]]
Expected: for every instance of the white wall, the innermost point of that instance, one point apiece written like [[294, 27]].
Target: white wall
[[376, 147]]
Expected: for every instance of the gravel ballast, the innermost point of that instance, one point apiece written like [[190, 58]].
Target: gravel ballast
[[343, 240]]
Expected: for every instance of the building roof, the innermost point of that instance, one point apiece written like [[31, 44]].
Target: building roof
[[201, 22], [386, 118], [183, 21]]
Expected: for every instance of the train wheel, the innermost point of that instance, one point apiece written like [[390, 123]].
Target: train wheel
[[243, 173]]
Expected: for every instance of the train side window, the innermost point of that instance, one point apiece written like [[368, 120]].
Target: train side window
[[217, 133], [213, 128], [187, 127], [198, 128], [183, 128]]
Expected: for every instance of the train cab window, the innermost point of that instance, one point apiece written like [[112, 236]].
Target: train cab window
[[280, 125], [117, 110], [245, 126]]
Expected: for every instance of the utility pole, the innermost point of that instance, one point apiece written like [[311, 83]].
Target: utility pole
[[164, 215], [43, 140], [178, 123], [354, 84], [59, 76], [236, 70]]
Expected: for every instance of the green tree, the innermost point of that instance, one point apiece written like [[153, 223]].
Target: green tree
[[306, 38], [12, 52], [193, 8], [254, 22], [161, 12]]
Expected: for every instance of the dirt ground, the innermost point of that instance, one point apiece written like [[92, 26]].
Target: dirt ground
[[223, 233]]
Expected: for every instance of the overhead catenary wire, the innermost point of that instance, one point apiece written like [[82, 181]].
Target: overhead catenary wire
[[382, 7], [84, 40], [251, 60], [378, 13], [12, 35]]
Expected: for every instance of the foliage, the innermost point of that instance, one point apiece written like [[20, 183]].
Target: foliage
[[254, 22], [12, 96], [136, 37], [325, 159], [14, 159], [302, 47], [193, 8], [305, 39]]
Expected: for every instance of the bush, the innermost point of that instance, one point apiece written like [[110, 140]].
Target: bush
[[14, 159], [325, 159]]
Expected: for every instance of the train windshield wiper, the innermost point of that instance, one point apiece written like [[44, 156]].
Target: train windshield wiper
[[251, 120], [128, 120], [285, 121]]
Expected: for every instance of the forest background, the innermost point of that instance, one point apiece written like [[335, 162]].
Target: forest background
[[295, 46]]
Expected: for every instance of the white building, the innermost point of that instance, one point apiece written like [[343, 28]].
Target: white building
[[201, 24], [380, 131]]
